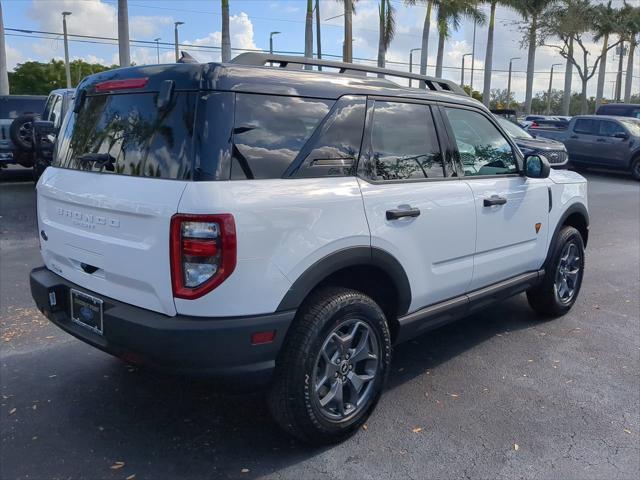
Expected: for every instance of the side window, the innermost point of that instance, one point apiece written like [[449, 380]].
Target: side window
[[269, 131], [404, 143], [482, 148], [609, 129], [56, 112], [47, 107], [586, 126], [334, 148]]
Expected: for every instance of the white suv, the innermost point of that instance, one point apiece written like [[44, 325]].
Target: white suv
[[276, 226]]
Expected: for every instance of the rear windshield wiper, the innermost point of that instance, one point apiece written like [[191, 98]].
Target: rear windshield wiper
[[98, 159]]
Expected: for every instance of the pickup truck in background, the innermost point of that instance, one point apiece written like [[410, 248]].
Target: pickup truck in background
[[600, 141]]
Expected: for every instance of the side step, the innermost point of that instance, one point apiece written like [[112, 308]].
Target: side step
[[439, 314]]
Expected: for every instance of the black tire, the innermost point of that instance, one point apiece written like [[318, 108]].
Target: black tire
[[293, 399], [21, 132], [551, 298], [39, 166], [635, 168]]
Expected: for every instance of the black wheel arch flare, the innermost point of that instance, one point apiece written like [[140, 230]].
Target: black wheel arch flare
[[344, 258]]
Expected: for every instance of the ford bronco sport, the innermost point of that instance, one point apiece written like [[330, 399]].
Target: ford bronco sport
[[269, 224]]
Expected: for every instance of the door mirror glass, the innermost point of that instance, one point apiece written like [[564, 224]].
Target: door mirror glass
[[536, 166]]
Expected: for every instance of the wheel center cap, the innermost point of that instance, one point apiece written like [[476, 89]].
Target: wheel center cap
[[344, 367]]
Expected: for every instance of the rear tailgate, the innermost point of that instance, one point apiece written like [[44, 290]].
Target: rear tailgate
[[110, 233], [121, 165]]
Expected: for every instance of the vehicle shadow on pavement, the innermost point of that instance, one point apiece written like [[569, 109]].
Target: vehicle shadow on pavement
[[165, 426]]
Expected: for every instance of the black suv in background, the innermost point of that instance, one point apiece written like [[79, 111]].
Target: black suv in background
[[16, 121]]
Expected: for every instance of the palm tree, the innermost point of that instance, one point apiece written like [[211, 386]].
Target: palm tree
[[605, 24], [632, 23], [488, 61], [424, 51], [532, 11], [308, 31], [226, 38], [387, 29], [450, 16], [349, 11]]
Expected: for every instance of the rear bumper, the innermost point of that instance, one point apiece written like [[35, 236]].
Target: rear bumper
[[216, 347]]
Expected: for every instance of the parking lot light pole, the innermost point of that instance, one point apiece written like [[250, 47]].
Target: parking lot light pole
[[157, 40], [271, 41], [462, 74], [67, 67], [509, 81], [175, 32], [411, 60], [550, 85]]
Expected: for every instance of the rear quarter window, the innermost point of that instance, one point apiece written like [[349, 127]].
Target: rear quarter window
[[270, 130]]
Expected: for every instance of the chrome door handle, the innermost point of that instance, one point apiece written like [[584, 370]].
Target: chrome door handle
[[401, 213], [494, 200]]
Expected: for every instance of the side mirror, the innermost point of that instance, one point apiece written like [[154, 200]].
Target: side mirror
[[536, 166], [621, 135]]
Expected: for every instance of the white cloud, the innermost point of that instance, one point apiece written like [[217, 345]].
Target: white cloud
[[14, 56], [91, 17]]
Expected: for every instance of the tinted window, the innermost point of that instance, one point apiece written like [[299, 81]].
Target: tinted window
[[14, 106], [404, 143], [482, 148], [140, 139], [269, 132], [609, 129], [586, 126], [512, 129], [56, 112], [334, 148]]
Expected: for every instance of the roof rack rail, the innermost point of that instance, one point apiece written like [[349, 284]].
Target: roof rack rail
[[292, 62]]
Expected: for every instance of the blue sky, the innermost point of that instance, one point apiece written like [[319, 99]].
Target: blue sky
[[251, 22]]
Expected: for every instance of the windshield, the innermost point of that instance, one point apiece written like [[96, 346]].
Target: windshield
[[512, 129], [632, 125]]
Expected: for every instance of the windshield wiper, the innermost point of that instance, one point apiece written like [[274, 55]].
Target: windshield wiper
[[99, 160]]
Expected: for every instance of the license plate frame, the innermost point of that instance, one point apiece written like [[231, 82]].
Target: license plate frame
[[86, 310]]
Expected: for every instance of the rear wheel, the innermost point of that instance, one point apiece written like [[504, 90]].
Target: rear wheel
[[635, 168], [332, 367], [563, 276]]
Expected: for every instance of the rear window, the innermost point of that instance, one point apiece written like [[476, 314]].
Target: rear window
[[586, 126], [127, 134], [13, 107]]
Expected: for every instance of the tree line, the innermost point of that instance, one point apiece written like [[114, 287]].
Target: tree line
[[565, 25]]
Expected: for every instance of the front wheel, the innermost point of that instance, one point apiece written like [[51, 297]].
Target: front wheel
[[563, 276], [332, 367]]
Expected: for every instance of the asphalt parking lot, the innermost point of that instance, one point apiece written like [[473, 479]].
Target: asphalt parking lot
[[497, 395]]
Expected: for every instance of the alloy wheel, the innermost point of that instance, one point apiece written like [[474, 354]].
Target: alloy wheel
[[345, 370], [568, 273]]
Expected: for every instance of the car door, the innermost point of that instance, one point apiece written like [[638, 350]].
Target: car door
[[610, 148], [581, 140], [416, 209], [511, 210]]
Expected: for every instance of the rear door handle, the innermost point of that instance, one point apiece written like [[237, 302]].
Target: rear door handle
[[494, 200], [401, 213]]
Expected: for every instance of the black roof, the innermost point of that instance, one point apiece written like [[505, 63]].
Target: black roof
[[237, 77]]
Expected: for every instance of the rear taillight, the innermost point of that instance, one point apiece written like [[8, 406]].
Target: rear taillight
[[203, 253]]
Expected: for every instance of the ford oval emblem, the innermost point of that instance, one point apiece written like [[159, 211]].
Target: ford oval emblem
[[86, 313]]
